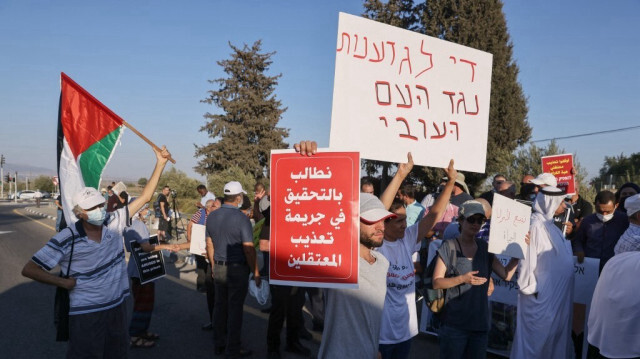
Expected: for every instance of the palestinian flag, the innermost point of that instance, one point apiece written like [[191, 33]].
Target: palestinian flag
[[87, 135]]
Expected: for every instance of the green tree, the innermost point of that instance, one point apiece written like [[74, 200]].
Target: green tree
[[185, 187], [43, 183], [216, 181], [247, 129], [142, 182], [617, 170], [480, 25]]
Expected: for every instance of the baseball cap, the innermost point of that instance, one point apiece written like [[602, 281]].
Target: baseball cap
[[545, 179], [88, 197], [372, 210], [233, 187], [470, 208], [632, 204]]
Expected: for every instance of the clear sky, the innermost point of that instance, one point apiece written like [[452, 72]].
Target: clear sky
[[149, 61]]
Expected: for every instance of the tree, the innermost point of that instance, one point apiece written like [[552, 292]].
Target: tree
[[480, 25], [247, 130], [142, 182], [618, 170], [43, 183], [217, 180]]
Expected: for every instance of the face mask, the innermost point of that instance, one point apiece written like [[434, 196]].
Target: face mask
[[97, 216], [604, 218]]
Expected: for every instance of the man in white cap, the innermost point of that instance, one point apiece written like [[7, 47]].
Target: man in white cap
[[96, 278], [232, 257], [545, 300], [630, 239]]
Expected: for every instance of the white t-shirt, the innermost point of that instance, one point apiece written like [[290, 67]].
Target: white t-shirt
[[399, 317], [206, 197]]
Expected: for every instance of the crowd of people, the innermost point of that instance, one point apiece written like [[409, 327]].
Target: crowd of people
[[379, 319]]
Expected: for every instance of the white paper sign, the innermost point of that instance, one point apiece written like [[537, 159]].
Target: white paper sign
[[586, 278], [509, 226], [409, 92], [198, 242]]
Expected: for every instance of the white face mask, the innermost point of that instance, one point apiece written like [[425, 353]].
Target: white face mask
[[97, 216], [604, 218]]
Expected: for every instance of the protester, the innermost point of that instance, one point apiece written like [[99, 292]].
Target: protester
[[401, 241], [366, 186], [233, 257], [630, 239], [414, 210], [205, 195], [465, 317], [200, 217], [460, 191], [505, 188], [528, 190], [98, 283], [61, 223], [430, 198], [599, 232], [581, 208], [626, 190], [115, 201], [143, 294], [162, 212], [545, 300], [498, 180], [614, 328]]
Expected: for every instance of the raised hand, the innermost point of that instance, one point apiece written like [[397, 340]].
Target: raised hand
[[405, 168], [306, 148]]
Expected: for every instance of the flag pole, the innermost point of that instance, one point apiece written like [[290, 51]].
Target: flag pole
[[145, 138]]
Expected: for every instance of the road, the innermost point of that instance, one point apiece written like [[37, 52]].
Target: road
[[26, 307]]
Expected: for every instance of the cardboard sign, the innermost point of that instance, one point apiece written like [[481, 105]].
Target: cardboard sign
[[314, 232], [198, 242], [561, 166], [509, 226], [410, 92], [150, 265]]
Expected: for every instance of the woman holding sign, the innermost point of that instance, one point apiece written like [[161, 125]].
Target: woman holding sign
[[463, 268], [143, 294]]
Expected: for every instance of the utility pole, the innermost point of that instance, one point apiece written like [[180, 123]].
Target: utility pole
[[15, 188], [2, 176]]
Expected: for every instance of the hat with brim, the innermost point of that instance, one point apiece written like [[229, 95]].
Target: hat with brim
[[372, 210], [87, 198], [460, 181], [545, 179]]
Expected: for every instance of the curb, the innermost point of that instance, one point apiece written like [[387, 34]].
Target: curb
[[40, 214]]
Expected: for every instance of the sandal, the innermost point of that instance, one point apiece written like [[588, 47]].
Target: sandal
[[140, 342], [149, 336]]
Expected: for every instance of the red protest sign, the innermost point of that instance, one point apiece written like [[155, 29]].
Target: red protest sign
[[314, 234], [561, 166]]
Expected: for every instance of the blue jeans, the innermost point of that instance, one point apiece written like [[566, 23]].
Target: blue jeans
[[395, 351], [458, 343]]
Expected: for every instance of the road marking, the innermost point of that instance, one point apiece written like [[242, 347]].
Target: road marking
[[35, 220], [3, 232]]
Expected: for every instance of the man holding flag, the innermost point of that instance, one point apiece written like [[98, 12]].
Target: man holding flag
[[90, 251]]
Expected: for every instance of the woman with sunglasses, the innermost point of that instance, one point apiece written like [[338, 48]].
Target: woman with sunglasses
[[465, 317]]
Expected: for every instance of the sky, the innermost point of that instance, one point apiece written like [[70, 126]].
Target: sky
[[149, 62]]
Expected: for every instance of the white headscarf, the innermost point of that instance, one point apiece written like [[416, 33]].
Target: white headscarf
[[544, 207]]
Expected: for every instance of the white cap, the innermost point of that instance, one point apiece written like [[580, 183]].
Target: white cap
[[632, 204], [233, 187], [372, 210], [88, 198], [546, 179]]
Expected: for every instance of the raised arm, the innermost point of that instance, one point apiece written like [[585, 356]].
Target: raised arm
[[162, 156], [390, 192], [440, 206]]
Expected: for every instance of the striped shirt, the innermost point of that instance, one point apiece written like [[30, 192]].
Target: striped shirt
[[99, 268]]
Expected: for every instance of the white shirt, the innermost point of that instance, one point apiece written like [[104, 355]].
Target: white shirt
[[206, 197]]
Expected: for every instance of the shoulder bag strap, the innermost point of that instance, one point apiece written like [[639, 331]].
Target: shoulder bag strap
[[73, 240]]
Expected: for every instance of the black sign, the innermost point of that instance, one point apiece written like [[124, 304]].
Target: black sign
[[150, 265]]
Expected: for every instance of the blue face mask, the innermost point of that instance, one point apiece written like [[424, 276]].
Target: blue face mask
[[97, 216]]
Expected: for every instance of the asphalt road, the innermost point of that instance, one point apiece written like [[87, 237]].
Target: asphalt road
[[26, 307]]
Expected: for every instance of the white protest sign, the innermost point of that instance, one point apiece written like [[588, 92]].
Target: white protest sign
[[398, 91], [509, 226], [586, 278], [198, 243]]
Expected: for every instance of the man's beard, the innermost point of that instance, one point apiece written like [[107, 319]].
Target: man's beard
[[369, 242]]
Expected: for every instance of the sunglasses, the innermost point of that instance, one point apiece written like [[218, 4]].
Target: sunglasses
[[478, 220]]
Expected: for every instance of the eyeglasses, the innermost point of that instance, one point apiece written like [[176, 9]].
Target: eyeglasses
[[477, 220]]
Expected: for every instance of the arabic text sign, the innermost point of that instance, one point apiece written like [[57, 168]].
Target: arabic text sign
[[560, 166], [314, 219], [411, 92], [509, 226]]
